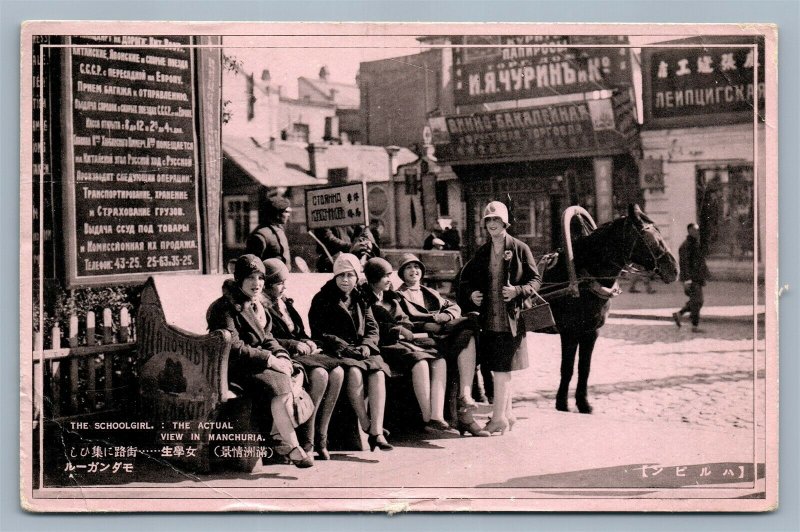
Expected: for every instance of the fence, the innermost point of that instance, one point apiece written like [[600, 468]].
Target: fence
[[74, 379]]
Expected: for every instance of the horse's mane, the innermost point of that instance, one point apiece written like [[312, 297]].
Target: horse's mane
[[588, 246]]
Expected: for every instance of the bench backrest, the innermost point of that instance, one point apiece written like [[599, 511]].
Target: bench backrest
[[439, 264], [185, 298]]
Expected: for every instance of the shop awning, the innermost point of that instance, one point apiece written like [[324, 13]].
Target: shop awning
[[264, 165]]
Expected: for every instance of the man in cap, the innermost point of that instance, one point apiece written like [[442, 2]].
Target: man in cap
[[269, 241]]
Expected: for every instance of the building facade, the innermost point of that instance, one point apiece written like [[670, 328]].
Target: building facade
[[535, 122], [397, 97], [255, 107], [701, 139]]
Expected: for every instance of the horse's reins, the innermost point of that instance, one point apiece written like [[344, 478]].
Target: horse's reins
[[623, 268]]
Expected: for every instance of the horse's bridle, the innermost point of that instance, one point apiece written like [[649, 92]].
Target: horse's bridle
[[639, 231]]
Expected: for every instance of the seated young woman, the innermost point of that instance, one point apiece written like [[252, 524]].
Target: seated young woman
[[343, 324], [257, 363], [430, 312], [427, 368], [324, 372]]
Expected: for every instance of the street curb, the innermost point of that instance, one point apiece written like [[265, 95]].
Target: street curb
[[711, 318]]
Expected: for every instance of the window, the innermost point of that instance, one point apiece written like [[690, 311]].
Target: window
[[237, 221], [531, 215], [725, 207], [299, 132]]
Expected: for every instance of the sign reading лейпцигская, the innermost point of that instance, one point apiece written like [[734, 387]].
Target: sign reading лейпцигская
[[130, 158], [336, 206], [687, 87]]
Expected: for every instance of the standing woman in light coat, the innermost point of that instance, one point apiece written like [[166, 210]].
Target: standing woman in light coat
[[497, 281]]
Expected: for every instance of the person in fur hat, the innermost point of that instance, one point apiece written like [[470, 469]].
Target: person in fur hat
[[270, 240]]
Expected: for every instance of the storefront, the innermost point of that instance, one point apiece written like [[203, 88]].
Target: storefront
[[541, 160], [700, 133]]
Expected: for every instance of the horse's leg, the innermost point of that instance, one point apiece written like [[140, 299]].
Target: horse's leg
[[587, 342], [569, 346]]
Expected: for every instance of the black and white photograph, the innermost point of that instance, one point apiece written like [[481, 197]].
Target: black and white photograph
[[326, 267]]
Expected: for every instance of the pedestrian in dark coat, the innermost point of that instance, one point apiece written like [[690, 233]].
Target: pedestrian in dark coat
[[498, 280], [325, 376], [694, 274], [343, 324], [257, 362], [401, 350], [454, 334], [452, 238], [270, 240]]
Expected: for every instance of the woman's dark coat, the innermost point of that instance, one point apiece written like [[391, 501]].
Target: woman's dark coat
[[333, 327], [291, 339], [519, 270], [434, 304], [401, 354], [450, 344], [251, 345]]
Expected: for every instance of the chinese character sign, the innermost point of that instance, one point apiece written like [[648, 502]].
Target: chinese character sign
[[686, 85], [336, 206]]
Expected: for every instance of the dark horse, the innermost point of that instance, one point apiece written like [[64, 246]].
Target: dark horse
[[599, 258]]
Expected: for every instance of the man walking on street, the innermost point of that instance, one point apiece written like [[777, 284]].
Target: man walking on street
[[694, 274]]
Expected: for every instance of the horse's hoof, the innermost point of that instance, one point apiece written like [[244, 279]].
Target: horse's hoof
[[562, 406], [584, 408]]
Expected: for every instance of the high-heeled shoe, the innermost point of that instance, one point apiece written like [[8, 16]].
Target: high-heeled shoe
[[436, 425], [379, 441], [386, 433], [322, 449], [511, 421], [299, 458], [496, 426], [466, 403], [466, 423]]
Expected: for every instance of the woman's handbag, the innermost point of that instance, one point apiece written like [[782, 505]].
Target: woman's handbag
[[539, 316], [303, 405]]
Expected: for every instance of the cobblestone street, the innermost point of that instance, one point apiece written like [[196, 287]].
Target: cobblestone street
[[650, 370]]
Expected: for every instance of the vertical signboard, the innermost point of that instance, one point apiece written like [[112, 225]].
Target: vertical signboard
[[130, 158], [604, 190], [43, 242]]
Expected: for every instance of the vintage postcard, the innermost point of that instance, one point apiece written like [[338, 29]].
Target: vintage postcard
[[398, 267]]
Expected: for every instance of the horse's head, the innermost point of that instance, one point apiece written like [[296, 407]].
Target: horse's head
[[649, 249]]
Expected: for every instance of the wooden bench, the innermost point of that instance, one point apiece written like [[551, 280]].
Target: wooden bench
[[183, 367]]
